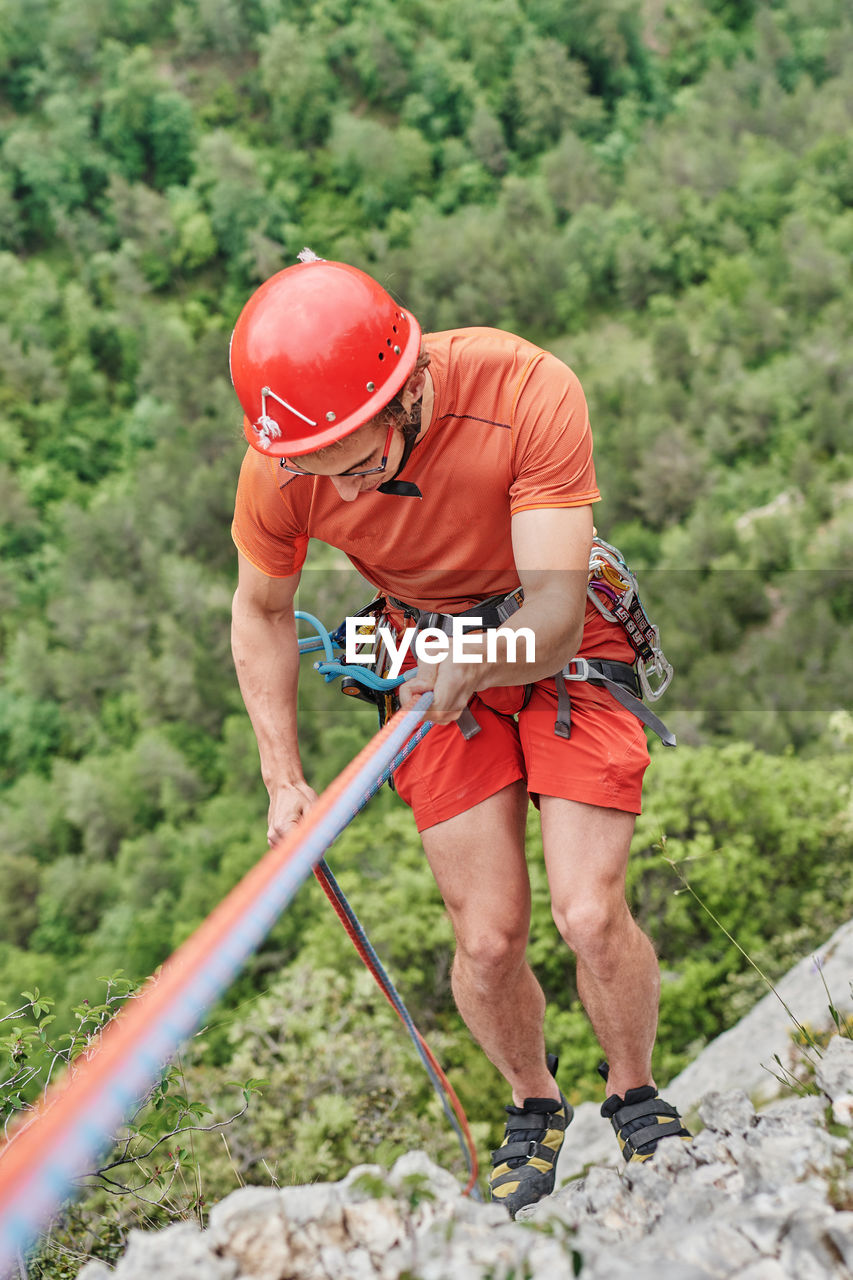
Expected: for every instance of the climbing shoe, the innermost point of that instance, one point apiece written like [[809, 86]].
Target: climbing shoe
[[640, 1120], [524, 1166]]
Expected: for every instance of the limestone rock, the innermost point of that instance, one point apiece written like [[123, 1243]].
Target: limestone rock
[[94, 1270], [753, 1196], [834, 1072], [180, 1252], [727, 1112]]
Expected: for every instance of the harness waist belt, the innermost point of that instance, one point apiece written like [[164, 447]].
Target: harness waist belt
[[492, 612], [620, 679]]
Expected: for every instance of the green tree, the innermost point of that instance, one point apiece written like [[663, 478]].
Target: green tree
[[574, 176], [443, 92], [145, 126], [231, 189], [222, 25], [486, 139], [72, 895], [548, 94], [22, 29], [486, 34], [374, 52], [385, 168], [18, 910], [299, 84], [52, 163]]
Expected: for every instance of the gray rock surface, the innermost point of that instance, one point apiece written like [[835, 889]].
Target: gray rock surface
[[743, 1057], [761, 1194]]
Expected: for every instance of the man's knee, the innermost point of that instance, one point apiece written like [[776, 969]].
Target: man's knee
[[492, 951], [595, 928]]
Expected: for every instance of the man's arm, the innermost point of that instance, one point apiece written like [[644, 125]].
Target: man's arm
[[551, 549], [266, 656]]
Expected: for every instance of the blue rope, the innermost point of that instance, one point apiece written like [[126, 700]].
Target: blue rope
[[332, 667], [322, 640]]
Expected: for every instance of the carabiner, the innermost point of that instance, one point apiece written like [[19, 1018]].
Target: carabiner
[[659, 670]]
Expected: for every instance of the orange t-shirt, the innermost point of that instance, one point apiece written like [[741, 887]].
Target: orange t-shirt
[[509, 432]]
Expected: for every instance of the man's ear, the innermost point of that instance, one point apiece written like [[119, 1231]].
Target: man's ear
[[413, 390]]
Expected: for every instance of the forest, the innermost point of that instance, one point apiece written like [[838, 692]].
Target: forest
[[660, 192]]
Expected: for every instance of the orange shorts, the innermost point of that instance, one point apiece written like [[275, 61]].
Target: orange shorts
[[602, 762]]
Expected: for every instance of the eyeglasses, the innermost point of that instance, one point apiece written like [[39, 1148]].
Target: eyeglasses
[[287, 465]]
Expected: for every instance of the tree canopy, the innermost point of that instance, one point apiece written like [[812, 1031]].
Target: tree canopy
[[663, 196]]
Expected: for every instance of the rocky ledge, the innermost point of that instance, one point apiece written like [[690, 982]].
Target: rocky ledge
[[764, 1195]]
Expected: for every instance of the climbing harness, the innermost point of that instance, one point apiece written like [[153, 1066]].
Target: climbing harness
[[491, 612], [614, 591]]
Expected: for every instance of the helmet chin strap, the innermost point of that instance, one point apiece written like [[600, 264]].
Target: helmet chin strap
[[404, 488]]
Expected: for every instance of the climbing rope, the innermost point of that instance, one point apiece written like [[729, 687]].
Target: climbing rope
[[446, 1093], [80, 1115], [331, 669]]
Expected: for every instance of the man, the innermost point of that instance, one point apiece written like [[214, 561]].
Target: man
[[452, 470]]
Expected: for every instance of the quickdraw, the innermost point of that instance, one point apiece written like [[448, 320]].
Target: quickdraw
[[614, 591]]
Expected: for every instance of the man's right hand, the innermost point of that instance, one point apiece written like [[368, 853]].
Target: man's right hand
[[288, 804]]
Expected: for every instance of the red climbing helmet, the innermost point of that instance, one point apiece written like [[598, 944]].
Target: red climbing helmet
[[316, 352]]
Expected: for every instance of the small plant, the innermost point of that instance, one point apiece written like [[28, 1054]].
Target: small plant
[[810, 1042], [843, 1026], [153, 1164], [417, 1188], [155, 1156], [371, 1184]]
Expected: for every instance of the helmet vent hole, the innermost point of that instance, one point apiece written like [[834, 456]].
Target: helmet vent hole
[[381, 355]]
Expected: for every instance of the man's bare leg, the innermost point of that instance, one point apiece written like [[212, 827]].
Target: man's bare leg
[[478, 862], [586, 854]]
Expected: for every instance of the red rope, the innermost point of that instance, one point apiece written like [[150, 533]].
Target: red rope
[[380, 982]]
